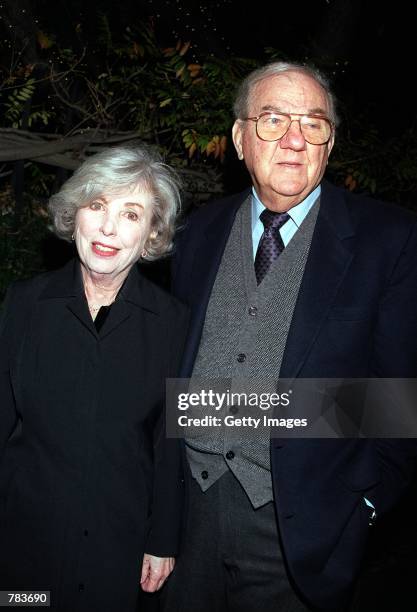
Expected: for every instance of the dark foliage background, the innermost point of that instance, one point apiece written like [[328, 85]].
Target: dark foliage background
[[77, 76]]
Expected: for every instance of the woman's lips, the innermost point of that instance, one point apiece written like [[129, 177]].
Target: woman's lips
[[103, 250]]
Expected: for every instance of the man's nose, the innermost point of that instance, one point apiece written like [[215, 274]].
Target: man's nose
[[293, 138]]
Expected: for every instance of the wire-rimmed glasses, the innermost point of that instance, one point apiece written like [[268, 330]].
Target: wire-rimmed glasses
[[270, 126]]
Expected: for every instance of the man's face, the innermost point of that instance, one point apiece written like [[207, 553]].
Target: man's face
[[285, 171]]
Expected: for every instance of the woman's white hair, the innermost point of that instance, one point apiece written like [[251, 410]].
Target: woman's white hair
[[112, 171]]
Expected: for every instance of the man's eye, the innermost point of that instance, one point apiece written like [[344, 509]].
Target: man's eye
[[313, 125], [132, 216], [272, 121]]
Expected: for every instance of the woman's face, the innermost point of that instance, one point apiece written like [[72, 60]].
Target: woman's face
[[111, 231]]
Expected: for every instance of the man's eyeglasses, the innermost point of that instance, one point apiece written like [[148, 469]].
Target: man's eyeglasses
[[316, 129]]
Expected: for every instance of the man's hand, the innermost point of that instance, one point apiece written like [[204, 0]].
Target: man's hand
[[155, 570]]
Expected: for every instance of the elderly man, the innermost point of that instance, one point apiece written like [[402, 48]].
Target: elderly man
[[298, 279]]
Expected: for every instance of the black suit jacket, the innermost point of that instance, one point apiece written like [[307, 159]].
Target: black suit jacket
[[88, 480], [355, 316]]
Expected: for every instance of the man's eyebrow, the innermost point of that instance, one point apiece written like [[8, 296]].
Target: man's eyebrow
[[317, 110], [269, 107]]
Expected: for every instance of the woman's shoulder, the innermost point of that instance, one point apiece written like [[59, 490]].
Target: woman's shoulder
[[164, 300], [173, 313], [20, 297], [26, 290]]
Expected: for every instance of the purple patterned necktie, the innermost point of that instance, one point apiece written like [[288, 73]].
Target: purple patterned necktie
[[270, 244]]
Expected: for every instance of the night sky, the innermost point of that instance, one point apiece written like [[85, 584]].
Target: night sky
[[368, 49]]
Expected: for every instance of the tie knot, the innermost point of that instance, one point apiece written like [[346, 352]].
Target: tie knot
[[273, 220]]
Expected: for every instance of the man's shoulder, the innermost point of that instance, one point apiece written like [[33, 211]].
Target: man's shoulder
[[212, 209], [369, 211]]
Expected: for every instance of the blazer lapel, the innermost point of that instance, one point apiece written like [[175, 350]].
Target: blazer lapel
[[66, 285], [79, 308], [204, 268], [135, 293], [331, 253]]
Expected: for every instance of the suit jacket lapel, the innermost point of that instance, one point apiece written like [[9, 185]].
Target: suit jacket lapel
[[331, 253], [204, 268]]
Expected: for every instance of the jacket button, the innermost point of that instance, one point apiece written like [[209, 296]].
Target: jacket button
[[230, 455], [204, 475], [241, 357], [81, 587], [233, 409], [86, 532], [253, 311]]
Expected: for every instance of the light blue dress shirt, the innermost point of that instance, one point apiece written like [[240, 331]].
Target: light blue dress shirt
[[297, 215]]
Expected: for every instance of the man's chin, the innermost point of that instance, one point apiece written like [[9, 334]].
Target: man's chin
[[289, 188]]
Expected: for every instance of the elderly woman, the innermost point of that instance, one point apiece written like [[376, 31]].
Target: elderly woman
[[90, 487]]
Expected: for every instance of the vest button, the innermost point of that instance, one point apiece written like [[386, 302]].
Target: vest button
[[241, 357], [253, 311], [204, 475], [233, 409], [230, 455]]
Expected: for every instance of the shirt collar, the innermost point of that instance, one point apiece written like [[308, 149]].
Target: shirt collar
[[297, 213]]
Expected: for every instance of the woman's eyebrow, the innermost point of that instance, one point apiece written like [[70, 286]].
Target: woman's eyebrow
[[134, 204]]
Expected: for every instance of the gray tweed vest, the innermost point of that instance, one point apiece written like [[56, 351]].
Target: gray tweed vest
[[251, 322]]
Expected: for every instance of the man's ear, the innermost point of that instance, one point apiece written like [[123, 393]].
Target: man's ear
[[237, 138], [330, 145]]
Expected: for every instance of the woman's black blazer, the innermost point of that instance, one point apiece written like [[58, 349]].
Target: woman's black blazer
[[88, 479]]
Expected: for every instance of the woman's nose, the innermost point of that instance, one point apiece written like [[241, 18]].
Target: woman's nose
[[109, 225]]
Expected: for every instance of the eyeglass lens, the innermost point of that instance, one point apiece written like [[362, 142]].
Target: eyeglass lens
[[315, 130]]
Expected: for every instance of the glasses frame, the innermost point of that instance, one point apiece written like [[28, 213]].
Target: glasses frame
[[290, 117]]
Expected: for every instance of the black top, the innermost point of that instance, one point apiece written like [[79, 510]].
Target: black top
[[101, 316]]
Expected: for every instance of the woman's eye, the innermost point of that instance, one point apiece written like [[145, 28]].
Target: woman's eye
[[96, 205], [132, 216]]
